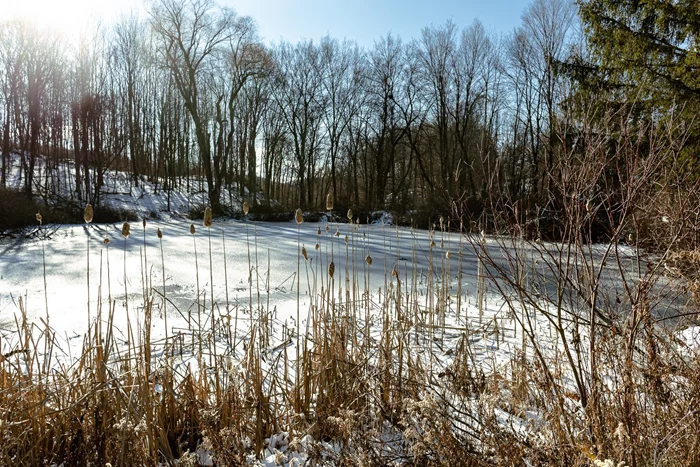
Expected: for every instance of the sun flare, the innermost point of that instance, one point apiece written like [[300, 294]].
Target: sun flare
[[67, 18]]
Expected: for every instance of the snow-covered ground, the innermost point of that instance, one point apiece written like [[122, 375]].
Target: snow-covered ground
[[248, 272], [268, 251]]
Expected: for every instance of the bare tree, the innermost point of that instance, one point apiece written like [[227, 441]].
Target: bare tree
[[196, 38], [534, 48], [301, 102]]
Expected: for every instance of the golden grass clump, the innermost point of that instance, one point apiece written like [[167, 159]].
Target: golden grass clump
[[207, 217], [299, 216], [246, 208], [126, 229], [88, 213], [329, 202]]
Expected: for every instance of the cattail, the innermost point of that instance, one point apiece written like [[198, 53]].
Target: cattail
[[432, 243], [38, 218], [448, 255], [327, 228], [337, 233], [346, 239], [246, 208], [331, 269], [106, 241], [207, 217], [369, 260], [144, 222], [159, 233], [299, 217], [318, 247], [88, 214], [350, 215], [192, 229], [319, 232], [304, 254], [125, 229], [329, 202]]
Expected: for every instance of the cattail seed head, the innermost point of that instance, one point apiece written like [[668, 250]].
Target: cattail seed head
[[246, 208], [331, 269], [369, 260], [144, 222], [318, 247], [327, 228], [319, 232], [329, 202], [38, 218], [88, 214], [448, 255], [304, 254], [337, 233], [432, 243], [159, 233], [207, 217], [299, 216], [126, 228], [192, 229], [350, 215], [106, 241], [346, 239]]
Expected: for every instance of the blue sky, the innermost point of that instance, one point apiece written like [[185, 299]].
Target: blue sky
[[364, 21], [367, 20]]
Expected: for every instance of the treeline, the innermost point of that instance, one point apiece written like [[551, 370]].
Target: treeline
[[455, 118]]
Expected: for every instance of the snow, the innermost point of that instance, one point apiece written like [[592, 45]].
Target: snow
[[243, 270]]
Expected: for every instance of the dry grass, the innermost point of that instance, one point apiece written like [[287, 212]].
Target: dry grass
[[398, 378]]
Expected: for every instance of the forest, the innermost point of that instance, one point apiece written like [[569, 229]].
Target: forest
[[459, 120], [450, 120]]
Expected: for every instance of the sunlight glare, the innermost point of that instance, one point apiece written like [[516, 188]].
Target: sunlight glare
[[67, 18]]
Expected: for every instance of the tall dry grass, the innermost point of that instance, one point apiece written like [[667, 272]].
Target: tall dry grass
[[416, 373]]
